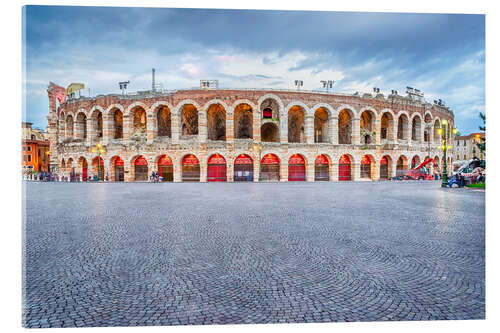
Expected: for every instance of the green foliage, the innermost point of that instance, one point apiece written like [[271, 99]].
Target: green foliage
[[482, 145], [478, 185]]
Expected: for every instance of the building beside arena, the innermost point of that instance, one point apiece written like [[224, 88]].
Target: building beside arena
[[242, 135], [35, 149]]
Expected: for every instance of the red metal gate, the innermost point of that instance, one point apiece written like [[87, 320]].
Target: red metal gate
[[166, 169], [344, 168], [190, 169], [270, 168], [384, 168], [217, 170], [366, 167], [119, 170], [141, 169], [321, 169], [296, 168], [243, 168]]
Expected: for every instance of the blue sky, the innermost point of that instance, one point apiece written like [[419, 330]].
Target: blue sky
[[442, 55]]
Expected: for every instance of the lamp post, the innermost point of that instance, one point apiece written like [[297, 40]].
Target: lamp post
[[445, 132], [99, 149]]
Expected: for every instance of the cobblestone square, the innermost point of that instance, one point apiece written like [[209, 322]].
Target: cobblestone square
[[127, 254]]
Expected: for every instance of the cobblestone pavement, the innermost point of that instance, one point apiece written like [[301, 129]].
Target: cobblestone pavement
[[167, 254]]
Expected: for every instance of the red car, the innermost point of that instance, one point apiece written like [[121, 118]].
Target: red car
[[421, 171]]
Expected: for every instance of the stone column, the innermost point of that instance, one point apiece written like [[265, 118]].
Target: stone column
[[356, 169], [309, 128], [230, 171], [355, 136], [90, 131], [150, 127], [106, 128], [393, 165], [230, 125], [202, 127], [176, 127], [284, 171], [203, 170], [376, 170], [283, 129], [378, 131], [256, 169], [127, 132], [334, 172], [395, 130], [310, 171], [334, 130], [177, 169], [256, 126]]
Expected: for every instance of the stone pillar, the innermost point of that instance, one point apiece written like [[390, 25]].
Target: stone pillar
[[203, 170], [256, 169], [283, 129], [106, 128], [150, 127], [309, 128], [375, 170], [283, 171], [256, 125], [230, 125], [90, 131], [378, 131], [176, 127], [395, 130], [334, 130], [355, 136], [177, 170], [393, 165], [355, 171], [128, 172], [230, 171], [127, 132], [334, 172], [202, 127], [310, 171]]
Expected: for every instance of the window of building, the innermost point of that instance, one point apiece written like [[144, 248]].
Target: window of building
[[29, 148], [29, 158]]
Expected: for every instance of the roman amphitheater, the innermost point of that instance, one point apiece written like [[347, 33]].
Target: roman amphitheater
[[243, 135]]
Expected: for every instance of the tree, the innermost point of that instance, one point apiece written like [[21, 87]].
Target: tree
[[482, 145]]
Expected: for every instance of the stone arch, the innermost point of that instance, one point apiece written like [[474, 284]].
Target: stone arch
[[436, 126], [367, 167], [113, 107], [189, 119], [323, 167], [97, 122], [163, 115], [269, 132], [387, 120], [83, 167], [385, 171], [244, 101], [297, 167], [81, 126], [274, 103], [243, 121], [269, 170], [296, 123], [116, 116], [131, 107], [139, 168], [69, 127], [415, 161], [367, 119], [416, 127], [190, 168], [403, 125], [216, 122], [322, 121], [215, 101], [345, 125], [346, 167], [139, 122], [98, 168], [401, 165], [116, 166]]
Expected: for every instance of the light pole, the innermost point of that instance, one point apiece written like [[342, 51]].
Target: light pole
[[327, 84], [99, 149], [445, 133], [299, 83]]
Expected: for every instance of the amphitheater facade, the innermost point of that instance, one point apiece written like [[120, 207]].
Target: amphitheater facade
[[243, 135]]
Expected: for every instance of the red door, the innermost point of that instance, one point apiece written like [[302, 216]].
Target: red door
[[217, 169], [296, 168], [344, 168]]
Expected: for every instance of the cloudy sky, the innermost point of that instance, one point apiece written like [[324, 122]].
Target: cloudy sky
[[442, 55]]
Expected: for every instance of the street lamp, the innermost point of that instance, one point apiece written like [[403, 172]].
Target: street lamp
[[445, 132], [327, 84], [99, 149]]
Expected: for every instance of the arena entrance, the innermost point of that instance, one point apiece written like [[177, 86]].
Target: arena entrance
[[366, 167], [243, 168], [84, 167], [216, 170], [141, 169], [270, 168], [345, 168], [296, 168], [384, 168], [190, 169], [166, 168], [119, 170], [321, 169]]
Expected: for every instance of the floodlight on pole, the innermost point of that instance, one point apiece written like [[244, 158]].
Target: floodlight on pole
[[123, 86], [299, 83], [327, 84]]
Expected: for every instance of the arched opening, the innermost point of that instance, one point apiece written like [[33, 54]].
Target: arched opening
[[437, 125], [437, 166], [428, 127], [81, 126], [345, 126], [296, 131], [97, 124], [71, 170], [366, 167], [139, 124], [62, 166], [345, 168], [321, 168], [216, 169], [119, 171], [117, 124], [296, 168], [98, 168], [243, 168], [243, 122], [387, 126], [163, 120], [190, 169], [269, 132], [216, 122], [367, 127], [416, 128], [189, 120], [415, 161], [83, 166], [270, 168], [166, 168], [403, 127], [270, 109], [401, 166], [385, 167], [141, 169], [69, 127], [321, 125]]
